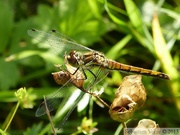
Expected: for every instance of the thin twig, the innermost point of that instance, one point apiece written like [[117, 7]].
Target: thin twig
[[49, 117], [102, 101]]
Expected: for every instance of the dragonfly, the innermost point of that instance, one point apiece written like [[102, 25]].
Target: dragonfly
[[84, 58], [87, 68]]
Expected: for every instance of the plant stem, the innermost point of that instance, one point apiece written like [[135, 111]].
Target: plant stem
[[11, 116]]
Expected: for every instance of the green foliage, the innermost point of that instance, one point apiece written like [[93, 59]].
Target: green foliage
[[128, 32], [6, 21]]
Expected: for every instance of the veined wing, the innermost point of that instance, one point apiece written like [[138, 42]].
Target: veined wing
[[67, 103], [65, 98], [58, 99], [62, 122], [59, 42], [62, 95], [95, 75]]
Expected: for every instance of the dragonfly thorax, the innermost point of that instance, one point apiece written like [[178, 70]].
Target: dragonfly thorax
[[100, 59]]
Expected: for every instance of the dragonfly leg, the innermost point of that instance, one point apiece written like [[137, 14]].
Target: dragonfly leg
[[75, 71], [83, 70], [78, 68], [92, 74]]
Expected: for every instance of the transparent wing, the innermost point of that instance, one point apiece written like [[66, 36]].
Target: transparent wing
[[61, 96], [95, 74], [62, 122], [59, 42], [56, 99]]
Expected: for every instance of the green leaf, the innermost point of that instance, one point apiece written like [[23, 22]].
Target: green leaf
[[2, 132], [95, 8], [165, 58], [134, 15], [161, 49], [80, 23], [6, 24], [118, 20], [7, 96], [9, 75], [34, 130], [114, 51]]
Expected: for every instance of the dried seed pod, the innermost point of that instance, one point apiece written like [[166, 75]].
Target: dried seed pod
[[61, 77], [129, 96], [72, 75], [146, 127]]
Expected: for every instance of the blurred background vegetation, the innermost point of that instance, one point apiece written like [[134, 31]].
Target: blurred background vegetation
[[139, 33]]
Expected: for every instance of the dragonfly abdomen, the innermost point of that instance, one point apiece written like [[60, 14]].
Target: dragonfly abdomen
[[113, 65]]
